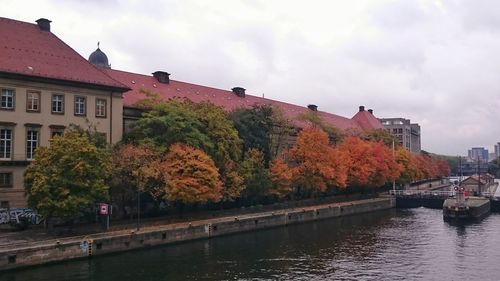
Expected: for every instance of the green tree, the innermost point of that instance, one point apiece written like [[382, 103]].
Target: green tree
[[381, 135], [168, 123], [200, 125], [262, 127], [68, 177], [255, 174], [315, 120]]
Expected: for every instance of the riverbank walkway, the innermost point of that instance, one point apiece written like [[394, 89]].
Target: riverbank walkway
[[34, 237]]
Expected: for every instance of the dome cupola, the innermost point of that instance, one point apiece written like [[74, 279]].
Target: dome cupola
[[99, 58]]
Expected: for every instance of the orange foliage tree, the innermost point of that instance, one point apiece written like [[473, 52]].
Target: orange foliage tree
[[315, 165], [189, 176], [409, 167], [386, 167], [370, 163], [281, 178]]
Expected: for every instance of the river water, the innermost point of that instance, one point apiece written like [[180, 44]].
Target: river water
[[398, 244]]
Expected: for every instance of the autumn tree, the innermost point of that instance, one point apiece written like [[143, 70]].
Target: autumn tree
[[189, 176], [315, 165], [200, 125], [315, 120], [370, 163], [281, 178], [361, 163], [409, 166], [68, 177], [134, 170], [386, 167]]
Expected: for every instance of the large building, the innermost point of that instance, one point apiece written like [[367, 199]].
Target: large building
[[497, 150], [44, 87], [478, 153], [407, 133]]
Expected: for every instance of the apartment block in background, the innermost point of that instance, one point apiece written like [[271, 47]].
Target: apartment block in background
[[407, 133]]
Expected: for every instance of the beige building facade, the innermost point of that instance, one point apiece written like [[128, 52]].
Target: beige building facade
[[32, 113]]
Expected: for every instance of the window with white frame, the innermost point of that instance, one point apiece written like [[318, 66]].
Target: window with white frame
[[80, 105], [33, 101], [100, 108], [5, 143], [32, 139], [58, 103], [7, 99]]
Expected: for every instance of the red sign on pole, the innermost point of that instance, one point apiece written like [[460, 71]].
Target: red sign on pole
[[103, 209]]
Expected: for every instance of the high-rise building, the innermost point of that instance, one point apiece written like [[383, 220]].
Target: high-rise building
[[407, 133], [480, 153], [497, 150]]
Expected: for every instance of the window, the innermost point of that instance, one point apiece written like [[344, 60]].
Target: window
[[400, 130], [5, 179], [80, 106], [33, 101], [7, 99], [4, 205], [31, 143], [56, 130], [100, 108], [58, 103], [5, 143]]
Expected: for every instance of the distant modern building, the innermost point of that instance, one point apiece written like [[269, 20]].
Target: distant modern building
[[497, 150], [407, 133], [480, 153]]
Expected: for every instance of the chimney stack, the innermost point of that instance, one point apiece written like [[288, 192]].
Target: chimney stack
[[162, 77], [370, 110], [361, 108], [313, 107], [239, 91], [43, 24]]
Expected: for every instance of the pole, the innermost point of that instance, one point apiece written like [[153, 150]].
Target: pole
[[478, 177], [138, 208], [394, 158]]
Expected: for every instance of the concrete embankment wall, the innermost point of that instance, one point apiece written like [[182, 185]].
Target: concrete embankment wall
[[15, 256]]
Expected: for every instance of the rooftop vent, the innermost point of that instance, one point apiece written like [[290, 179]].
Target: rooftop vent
[[162, 76], [44, 24], [370, 110], [361, 108], [313, 107], [239, 91]]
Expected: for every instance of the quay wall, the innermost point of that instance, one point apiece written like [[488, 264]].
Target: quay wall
[[48, 251]]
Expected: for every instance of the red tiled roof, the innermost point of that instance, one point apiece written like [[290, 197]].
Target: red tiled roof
[[226, 99], [29, 51], [367, 121]]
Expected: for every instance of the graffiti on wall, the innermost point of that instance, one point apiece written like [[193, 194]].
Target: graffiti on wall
[[19, 215]]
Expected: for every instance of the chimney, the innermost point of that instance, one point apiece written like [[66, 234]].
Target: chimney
[[239, 91], [361, 108], [313, 107], [162, 77], [44, 24], [370, 110]]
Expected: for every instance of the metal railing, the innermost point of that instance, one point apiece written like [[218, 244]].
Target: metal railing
[[431, 193], [436, 193]]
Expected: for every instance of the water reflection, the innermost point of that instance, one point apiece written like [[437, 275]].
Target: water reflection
[[412, 244]]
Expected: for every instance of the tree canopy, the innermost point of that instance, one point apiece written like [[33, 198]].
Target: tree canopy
[[67, 177]]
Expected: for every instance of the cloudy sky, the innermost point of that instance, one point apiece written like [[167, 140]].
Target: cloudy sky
[[434, 62]]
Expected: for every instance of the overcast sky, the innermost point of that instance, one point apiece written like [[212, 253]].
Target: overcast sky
[[434, 62]]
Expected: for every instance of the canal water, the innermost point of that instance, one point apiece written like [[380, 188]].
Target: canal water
[[398, 244]]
